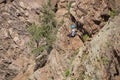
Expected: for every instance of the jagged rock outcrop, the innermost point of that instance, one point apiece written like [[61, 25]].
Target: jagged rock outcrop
[[59, 61], [90, 15], [100, 58], [93, 13], [64, 61], [15, 54]]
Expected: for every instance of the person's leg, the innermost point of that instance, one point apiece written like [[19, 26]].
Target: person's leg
[[73, 34]]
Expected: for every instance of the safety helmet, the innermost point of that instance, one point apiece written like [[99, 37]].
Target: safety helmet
[[73, 26]]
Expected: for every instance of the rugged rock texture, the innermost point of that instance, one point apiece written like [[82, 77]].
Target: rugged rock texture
[[92, 14], [99, 59], [93, 62], [14, 51], [89, 16], [61, 57]]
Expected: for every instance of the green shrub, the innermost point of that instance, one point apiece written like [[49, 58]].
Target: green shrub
[[67, 73], [35, 31], [113, 13], [85, 37], [47, 30]]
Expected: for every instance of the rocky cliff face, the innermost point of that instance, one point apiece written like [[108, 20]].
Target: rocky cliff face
[[15, 55], [71, 58], [99, 59]]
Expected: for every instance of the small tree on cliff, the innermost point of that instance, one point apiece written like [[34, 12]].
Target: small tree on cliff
[[46, 30]]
